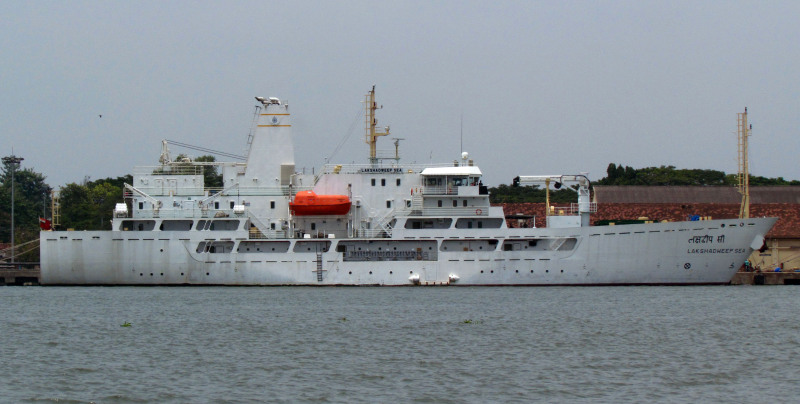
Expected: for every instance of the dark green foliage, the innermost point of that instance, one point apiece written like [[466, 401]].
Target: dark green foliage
[[625, 175], [90, 206], [664, 175], [756, 180], [669, 175], [211, 177], [31, 195], [510, 194]]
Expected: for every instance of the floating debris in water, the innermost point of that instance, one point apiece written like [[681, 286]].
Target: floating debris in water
[[471, 321], [343, 319], [125, 324]]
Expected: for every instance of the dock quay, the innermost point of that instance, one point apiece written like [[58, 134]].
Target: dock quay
[[766, 278], [20, 273]]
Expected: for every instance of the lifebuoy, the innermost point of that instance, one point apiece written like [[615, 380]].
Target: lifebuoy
[[478, 212]]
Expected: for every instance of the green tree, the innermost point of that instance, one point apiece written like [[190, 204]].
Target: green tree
[[511, 194], [211, 177], [31, 198], [77, 210]]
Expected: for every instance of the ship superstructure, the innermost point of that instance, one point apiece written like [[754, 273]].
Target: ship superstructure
[[380, 223]]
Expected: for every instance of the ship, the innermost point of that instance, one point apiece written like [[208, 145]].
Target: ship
[[384, 222]]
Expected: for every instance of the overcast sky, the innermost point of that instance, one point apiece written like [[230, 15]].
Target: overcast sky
[[555, 87]]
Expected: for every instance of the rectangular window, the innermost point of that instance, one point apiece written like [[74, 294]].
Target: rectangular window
[[373, 182], [232, 202], [383, 182], [398, 182], [440, 203], [408, 203], [141, 205], [313, 226], [272, 204], [272, 226], [480, 224], [465, 203], [455, 203], [388, 204], [216, 204]]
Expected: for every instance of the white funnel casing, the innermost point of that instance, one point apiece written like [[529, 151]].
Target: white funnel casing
[[270, 161]]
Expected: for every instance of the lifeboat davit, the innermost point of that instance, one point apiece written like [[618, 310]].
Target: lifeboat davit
[[308, 203]]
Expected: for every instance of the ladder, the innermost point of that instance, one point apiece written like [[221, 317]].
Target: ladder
[[319, 266]]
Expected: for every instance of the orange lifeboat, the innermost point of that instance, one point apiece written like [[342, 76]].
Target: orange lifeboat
[[308, 203]]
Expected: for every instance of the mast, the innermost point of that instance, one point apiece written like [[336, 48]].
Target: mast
[[744, 164], [372, 134]]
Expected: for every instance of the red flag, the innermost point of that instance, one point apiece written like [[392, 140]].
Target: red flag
[[44, 224]]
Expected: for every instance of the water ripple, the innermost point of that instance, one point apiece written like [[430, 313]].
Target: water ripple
[[443, 345]]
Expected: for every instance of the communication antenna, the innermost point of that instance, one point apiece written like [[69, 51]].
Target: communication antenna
[[462, 134], [397, 147], [744, 164]]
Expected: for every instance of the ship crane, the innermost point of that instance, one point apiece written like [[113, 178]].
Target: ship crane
[[585, 206], [203, 203], [153, 201]]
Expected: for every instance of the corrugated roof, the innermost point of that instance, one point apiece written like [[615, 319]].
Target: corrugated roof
[[693, 194]]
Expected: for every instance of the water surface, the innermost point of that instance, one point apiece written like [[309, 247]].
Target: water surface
[[407, 344]]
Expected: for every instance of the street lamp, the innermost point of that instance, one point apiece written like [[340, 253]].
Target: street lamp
[[13, 161]]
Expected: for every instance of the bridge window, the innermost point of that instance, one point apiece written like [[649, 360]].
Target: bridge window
[[373, 182], [398, 182], [272, 204]]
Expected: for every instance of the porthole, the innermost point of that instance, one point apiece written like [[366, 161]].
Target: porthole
[[370, 272], [481, 271], [151, 274], [181, 273], [162, 274], [562, 271], [350, 272], [411, 272], [162, 250], [141, 274], [531, 271], [547, 271], [517, 271], [390, 272], [492, 271], [206, 273]]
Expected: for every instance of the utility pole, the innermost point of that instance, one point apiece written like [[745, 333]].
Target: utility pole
[[13, 161]]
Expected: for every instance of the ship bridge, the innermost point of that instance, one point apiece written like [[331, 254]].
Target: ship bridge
[[460, 180]]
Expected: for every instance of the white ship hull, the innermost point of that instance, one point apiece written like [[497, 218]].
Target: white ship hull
[[678, 253], [382, 223]]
